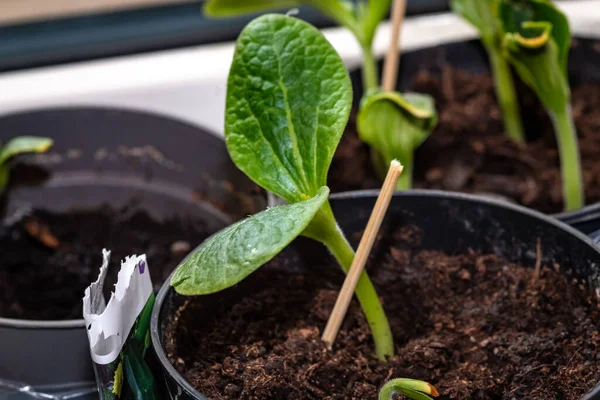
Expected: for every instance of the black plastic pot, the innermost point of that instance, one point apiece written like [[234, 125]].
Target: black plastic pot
[[470, 56], [116, 157], [451, 222]]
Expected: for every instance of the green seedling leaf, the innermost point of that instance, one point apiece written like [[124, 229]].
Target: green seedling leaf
[[536, 42], [481, 14], [532, 48], [24, 144], [411, 388], [232, 254], [18, 145], [534, 22], [396, 125], [288, 101]]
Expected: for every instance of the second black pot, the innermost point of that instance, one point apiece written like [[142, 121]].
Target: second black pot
[[163, 167], [451, 222]]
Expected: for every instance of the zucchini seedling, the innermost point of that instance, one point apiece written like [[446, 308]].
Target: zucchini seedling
[[18, 145], [536, 42], [361, 18], [411, 388], [288, 102], [395, 125], [482, 14]]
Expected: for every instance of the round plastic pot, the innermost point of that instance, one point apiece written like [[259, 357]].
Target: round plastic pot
[[451, 222], [470, 56], [121, 158]]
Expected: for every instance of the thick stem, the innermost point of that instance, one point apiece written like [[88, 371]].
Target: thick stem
[[367, 297], [570, 164], [369, 71], [324, 229], [381, 163], [405, 181], [507, 98]]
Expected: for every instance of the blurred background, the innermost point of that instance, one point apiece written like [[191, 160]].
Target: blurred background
[[164, 56]]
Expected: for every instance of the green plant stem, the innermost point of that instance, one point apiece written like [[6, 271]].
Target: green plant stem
[[405, 180], [324, 229], [381, 164], [570, 164], [369, 71], [507, 98]]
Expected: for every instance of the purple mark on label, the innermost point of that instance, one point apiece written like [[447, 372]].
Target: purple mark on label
[[142, 267]]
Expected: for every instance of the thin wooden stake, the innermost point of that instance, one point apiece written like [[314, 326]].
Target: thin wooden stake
[[390, 67], [362, 254]]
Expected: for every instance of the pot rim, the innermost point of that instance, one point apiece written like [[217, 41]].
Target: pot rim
[[166, 287]]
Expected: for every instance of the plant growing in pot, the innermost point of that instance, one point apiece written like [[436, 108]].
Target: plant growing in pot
[[534, 37], [93, 189], [253, 331]]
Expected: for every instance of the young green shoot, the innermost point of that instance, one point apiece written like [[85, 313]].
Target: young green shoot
[[288, 102], [411, 388], [536, 42], [482, 15], [361, 18], [395, 125], [18, 145]]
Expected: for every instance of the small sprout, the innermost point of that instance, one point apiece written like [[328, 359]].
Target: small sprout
[[536, 42], [395, 125], [411, 388], [361, 18], [18, 145], [482, 15], [288, 102]]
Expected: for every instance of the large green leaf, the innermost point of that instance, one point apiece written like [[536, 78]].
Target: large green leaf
[[288, 101], [230, 255], [481, 14], [534, 22], [24, 144], [394, 124]]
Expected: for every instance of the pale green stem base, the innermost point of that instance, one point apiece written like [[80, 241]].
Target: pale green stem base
[[570, 164], [324, 229], [381, 164], [507, 98]]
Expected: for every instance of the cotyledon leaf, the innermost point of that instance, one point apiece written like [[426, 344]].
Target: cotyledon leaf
[[230, 255], [396, 124], [411, 388], [288, 101], [24, 144]]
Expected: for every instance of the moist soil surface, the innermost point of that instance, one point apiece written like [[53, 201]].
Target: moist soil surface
[[54, 257], [469, 152], [474, 325]]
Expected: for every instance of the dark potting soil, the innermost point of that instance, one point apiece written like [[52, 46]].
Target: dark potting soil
[[474, 325], [54, 257], [469, 152]]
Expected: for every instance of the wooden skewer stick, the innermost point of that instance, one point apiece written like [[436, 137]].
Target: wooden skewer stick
[[362, 254], [390, 67]]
